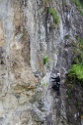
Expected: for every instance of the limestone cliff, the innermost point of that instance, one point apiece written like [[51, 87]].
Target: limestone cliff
[[36, 42]]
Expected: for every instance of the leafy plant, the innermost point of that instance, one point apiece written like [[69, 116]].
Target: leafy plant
[[45, 60], [76, 69], [75, 73], [79, 5], [54, 15], [67, 37], [78, 51], [45, 84]]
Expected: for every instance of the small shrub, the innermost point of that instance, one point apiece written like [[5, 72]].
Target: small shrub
[[78, 51], [67, 37], [45, 84], [54, 15], [76, 71], [79, 6], [45, 60]]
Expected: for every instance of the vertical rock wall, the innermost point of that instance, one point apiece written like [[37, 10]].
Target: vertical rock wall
[[28, 34]]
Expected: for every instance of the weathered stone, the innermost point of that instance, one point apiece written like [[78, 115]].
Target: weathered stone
[[28, 33], [10, 102], [2, 39]]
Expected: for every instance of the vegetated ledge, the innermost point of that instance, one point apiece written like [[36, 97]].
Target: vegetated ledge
[[74, 94], [74, 85], [75, 74], [79, 5], [54, 15]]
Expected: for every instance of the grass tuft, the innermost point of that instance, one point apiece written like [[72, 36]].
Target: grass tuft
[[79, 6], [45, 60], [54, 15], [77, 70]]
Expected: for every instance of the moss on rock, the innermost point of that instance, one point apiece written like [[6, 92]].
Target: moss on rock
[[54, 15]]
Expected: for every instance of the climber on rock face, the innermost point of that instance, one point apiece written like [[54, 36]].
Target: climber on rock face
[[56, 83]]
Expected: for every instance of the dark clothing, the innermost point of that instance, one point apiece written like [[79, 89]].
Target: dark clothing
[[56, 86], [57, 79]]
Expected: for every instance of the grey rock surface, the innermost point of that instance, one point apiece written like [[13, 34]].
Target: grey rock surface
[[28, 34]]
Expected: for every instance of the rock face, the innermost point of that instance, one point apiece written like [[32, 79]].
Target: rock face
[[74, 103], [32, 48]]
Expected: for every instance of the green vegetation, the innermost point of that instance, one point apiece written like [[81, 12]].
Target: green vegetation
[[45, 60], [79, 5], [54, 15], [75, 73], [45, 84], [74, 80], [76, 70], [67, 37], [78, 51]]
